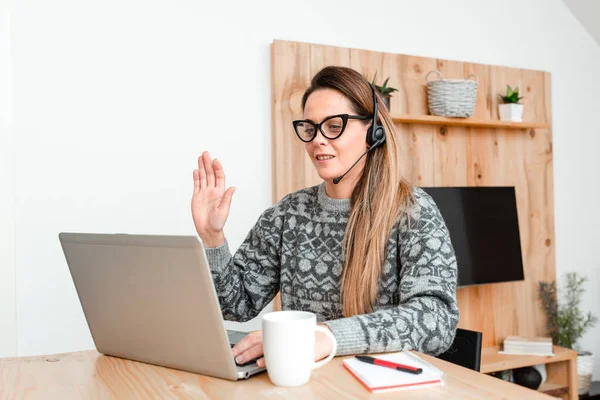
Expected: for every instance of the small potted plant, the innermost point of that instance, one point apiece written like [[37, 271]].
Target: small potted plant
[[385, 90], [511, 109], [567, 323]]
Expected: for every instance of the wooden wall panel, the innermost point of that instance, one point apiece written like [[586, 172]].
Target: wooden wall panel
[[445, 156], [416, 142], [290, 76]]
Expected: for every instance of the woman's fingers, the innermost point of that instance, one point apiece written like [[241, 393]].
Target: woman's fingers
[[210, 173], [226, 200], [201, 172], [250, 347], [196, 175], [260, 362], [219, 174], [248, 341], [250, 354]]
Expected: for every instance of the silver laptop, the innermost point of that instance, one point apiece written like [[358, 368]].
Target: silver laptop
[[152, 299]]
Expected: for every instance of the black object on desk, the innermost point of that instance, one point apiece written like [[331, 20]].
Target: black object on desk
[[594, 393], [465, 350]]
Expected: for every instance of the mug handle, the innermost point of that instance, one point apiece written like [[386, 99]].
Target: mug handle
[[328, 333]]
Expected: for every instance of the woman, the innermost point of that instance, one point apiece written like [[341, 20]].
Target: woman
[[368, 254]]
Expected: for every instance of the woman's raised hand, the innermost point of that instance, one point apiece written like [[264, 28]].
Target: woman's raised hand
[[210, 201]]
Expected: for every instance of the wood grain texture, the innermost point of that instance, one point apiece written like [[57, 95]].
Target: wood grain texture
[[485, 152], [90, 375], [290, 76]]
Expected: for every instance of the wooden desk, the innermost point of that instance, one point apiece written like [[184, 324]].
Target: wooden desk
[[90, 375]]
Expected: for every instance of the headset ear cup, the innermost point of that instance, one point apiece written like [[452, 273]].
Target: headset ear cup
[[370, 140], [375, 137], [380, 135]]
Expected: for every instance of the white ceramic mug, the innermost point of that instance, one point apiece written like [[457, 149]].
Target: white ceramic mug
[[289, 346]]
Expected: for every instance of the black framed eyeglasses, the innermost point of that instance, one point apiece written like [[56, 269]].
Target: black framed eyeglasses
[[331, 127]]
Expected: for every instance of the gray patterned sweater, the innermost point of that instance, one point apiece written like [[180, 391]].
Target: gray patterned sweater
[[295, 247]]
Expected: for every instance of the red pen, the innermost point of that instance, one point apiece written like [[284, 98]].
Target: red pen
[[389, 364]]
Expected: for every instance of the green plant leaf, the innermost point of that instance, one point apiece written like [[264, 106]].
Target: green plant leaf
[[383, 89], [566, 321]]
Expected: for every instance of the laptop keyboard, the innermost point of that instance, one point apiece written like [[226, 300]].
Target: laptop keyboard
[[251, 362]]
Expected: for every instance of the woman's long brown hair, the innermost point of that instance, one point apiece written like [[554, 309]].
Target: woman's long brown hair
[[371, 220]]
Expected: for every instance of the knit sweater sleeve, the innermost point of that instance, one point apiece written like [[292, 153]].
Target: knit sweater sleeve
[[426, 318], [247, 281]]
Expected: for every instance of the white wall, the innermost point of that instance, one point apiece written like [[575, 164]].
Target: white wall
[[8, 308], [114, 100]]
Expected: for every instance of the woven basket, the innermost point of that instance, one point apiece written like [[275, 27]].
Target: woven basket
[[452, 97], [585, 368]]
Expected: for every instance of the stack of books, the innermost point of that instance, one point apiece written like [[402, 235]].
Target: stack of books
[[539, 346]]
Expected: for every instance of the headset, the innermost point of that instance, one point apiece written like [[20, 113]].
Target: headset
[[375, 135]]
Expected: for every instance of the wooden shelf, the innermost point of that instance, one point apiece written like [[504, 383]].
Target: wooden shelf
[[466, 122], [554, 389], [492, 361], [560, 368]]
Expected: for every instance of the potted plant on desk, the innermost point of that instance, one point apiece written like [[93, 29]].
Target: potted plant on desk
[[567, 323], [510, 109]]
